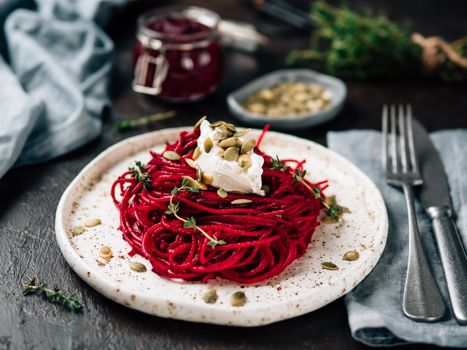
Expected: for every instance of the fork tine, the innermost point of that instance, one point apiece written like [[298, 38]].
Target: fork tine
[[411, 142], [394, 140], [384, 127], [403, 139]]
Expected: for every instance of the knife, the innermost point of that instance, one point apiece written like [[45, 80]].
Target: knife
[[435, 198]]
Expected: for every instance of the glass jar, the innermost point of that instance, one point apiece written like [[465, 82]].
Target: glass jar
[[178, 54]]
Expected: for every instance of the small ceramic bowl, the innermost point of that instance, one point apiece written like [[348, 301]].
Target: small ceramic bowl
[[334, 86]]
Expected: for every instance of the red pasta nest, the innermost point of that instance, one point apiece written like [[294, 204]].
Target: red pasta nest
[[262, 237]]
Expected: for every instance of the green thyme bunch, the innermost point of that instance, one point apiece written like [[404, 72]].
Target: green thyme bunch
[[370, 45]]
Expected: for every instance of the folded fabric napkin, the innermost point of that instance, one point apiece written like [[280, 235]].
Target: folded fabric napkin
[[375, 306], [54, 91]]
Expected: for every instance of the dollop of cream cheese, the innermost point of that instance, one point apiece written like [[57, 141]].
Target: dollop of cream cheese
[[227, 174]]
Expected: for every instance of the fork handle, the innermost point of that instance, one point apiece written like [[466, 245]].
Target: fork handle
[[422, 300], [453, 259]]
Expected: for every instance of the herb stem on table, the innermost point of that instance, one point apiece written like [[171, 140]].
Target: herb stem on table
[[141, 121], [53, 295]]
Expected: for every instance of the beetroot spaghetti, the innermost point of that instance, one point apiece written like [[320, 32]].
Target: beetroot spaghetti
[[187, 230]]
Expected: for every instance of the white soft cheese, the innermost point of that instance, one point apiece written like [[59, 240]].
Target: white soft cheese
[[227, 174]]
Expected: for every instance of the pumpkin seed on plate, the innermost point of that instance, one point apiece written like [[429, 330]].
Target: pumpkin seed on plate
[[231, 153], [248, 145], [242, 132], [229, 142], [198, 123], [138, 267], [92, 222], [222, 193], [244, 160], [171, 155], [240, 201], [190, 162], [76, 231], [351, 255], [210, 297], [208, 145], [196, 153], [327, 265], [105, 252], [238, 299]]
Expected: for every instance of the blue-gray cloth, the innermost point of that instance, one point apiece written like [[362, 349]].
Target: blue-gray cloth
[[54, 90], [374, 306]]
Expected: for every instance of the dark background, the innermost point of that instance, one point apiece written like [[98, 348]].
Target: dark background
[[29, 196]]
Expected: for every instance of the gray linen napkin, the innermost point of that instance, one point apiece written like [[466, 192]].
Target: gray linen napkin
[[53, 93], [374, 306]]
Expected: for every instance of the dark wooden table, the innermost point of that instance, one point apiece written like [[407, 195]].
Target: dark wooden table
[[29, 196]]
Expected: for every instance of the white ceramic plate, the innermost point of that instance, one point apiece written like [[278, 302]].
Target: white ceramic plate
[[302, 288]]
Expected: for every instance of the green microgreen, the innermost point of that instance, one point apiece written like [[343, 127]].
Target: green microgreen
[[277, 164], [140, 174]]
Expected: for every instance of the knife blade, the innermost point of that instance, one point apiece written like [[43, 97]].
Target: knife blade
[[436, 200]]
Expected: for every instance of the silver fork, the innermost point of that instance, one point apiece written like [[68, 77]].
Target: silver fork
[[422, 300]]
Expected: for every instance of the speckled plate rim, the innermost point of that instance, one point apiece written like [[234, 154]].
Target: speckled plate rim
[[200, 312]]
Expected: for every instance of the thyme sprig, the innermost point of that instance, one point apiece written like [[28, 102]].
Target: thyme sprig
[[190, 222], [332, 210], [277, 164], [141, 121], [140, 175], [53, 295]]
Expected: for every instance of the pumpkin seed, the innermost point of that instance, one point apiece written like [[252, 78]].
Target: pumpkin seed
[[190, 162], [190, 182], [208, 145], [220, 154], [219, 136], [105, 252], [327, 265], [231, 153], [92, 222], [224, 131], [138, 267], [201, 186], [240, 201], [242, 132], [230, 127], [222, 193], [217, 123], [210, 297], [171, 155], [351, 255], [230, 142], [198, 123], [207, 179], [199, 174], [238, 299], [196, 153], [76, 231], [244, 160], [248, 145]]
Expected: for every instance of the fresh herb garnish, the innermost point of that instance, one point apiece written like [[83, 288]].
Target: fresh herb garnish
[[299, 175], [189, 185], [277, 164], [53, 295], [136, 122], [140, 175]]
